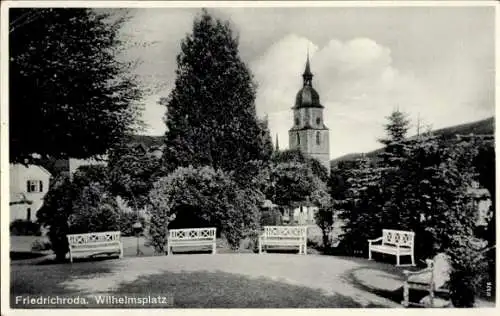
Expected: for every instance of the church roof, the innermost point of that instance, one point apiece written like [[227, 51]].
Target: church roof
[[307, 97]]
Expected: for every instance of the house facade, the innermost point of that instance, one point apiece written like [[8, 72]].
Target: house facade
[[28, 186]]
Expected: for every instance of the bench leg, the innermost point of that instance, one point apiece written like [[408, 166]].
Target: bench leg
[[431, 296], [412, 259], [406, 295], [397, 260], [260, 247], [369, 253], [214, 246], [169, 251], [70, 257], [121, 251], [305, 249]]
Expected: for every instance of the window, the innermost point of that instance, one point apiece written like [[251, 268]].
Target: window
[[297, 121], [318, 121], [298, 139], [318, 140], [34, 186], [28, 214]]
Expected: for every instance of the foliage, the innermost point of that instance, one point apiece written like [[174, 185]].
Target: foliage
[[55, 212], [325, 220], [85, 175], [67, 81], [296, 155], [293, 182], [427, 192], [211, 117], [132, 171], [93, 210], [270, 217], [485, 164], [77, 205], [126, 221], [361, 208], [207, 197], [23, 227], [396, 128], [467, 264]]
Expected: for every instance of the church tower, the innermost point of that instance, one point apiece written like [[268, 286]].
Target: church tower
[[309, 133]]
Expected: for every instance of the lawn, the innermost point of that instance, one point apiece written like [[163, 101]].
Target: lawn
[[202, 281]]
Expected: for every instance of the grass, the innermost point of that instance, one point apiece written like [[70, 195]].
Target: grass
[[224, 290], [200, 289], [37, 280]]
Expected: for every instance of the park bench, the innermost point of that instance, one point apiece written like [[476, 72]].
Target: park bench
[[103, 243], [432, 279], [189, 237], [284, 236], [394, 242]]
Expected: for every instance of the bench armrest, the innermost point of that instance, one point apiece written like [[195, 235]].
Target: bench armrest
[[408, 273], [374, 240], [430, 267]]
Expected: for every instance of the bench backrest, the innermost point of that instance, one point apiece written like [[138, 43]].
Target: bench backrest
[[398, 237], [93, 238], [285, 231], [192, 234]]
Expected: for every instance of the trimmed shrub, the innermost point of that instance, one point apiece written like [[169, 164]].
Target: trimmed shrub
[[24, 227], [207, 197]]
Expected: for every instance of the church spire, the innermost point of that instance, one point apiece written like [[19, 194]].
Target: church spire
[[277, 143], [307, 75]]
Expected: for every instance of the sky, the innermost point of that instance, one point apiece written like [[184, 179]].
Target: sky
[[433, 63]]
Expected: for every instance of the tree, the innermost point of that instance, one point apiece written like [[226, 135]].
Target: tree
[[292, 183], [396, 128], [55, 212], [485, 163], [94, 210], [132, 171], [360, 205], [325, 220], [296, 155], [77, 205], [211, 117], [66, 80]]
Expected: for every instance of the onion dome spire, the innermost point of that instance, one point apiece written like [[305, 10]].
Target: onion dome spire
[[307, 75]]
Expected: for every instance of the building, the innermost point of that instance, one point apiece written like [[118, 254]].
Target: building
[[28, 186], [309, 133], [302, 215]]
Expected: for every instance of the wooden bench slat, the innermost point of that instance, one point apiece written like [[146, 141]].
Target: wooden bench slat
[[192, 237], [285, 236], [95, 243], [394, 242]]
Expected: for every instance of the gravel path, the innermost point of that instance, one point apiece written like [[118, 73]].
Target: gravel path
[[326, 273]]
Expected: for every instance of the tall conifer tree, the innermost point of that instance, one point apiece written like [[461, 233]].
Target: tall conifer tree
[[211, 117]]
